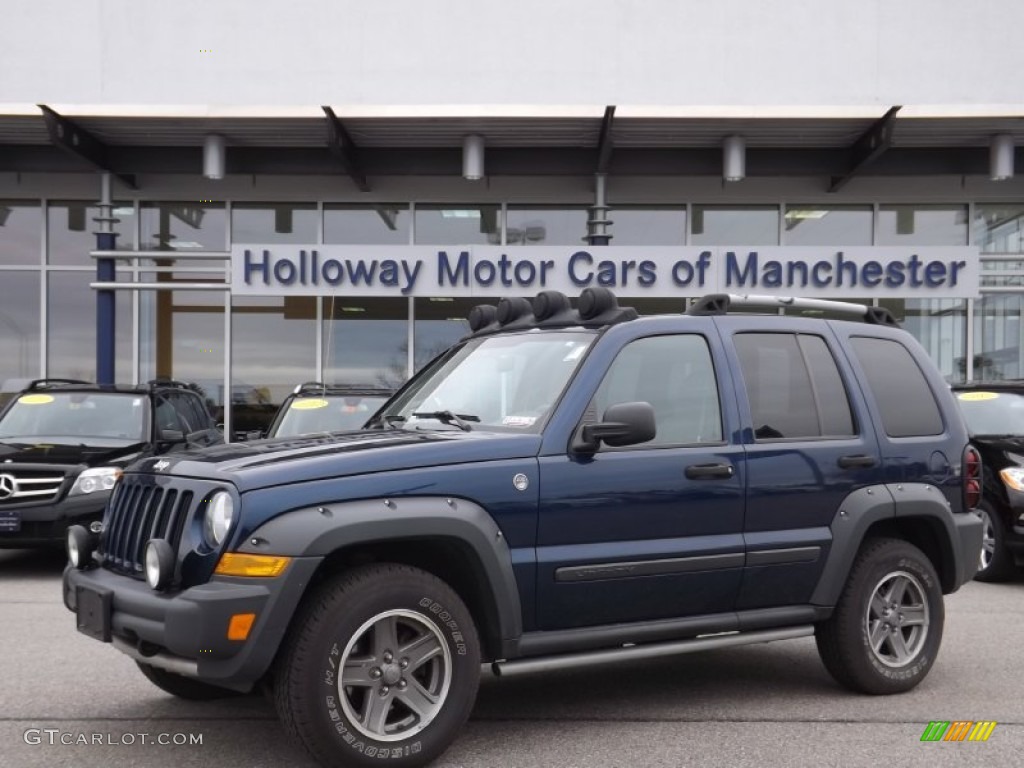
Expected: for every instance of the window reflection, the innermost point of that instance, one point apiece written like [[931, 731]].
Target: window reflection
[[735, 225], [998, 337], [21, 231], [71, 231], [274, 223], [379, 224], [542, 225], [366, 340], [19, 325], [71, 313], [263, 329], [922, 225], [458, 224], [183, 226], [641, 225], [440, 322], [999, 228], [827, 225]]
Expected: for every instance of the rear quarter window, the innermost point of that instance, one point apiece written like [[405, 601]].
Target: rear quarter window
[[905, 401]]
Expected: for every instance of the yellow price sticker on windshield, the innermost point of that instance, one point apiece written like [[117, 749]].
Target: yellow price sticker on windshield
[[309, 404], [35, 399], [972, 396]]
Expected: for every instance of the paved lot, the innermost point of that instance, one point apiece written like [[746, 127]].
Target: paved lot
[[757, 706]]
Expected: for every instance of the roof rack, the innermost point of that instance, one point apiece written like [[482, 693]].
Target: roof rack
[[170, 383], [46, 383], [722, 303]]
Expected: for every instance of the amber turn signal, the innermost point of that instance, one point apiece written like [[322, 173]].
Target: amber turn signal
[[239, 626], [236, 564]]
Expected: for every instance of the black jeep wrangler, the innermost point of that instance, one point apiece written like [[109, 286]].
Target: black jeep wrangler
[[64, 443], [565, 486]]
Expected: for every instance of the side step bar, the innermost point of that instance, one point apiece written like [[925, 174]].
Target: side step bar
[[647, 651]]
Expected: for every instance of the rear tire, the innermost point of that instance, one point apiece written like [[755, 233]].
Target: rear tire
[[887, 626], [184, 687], [997, 563], [383, 662]]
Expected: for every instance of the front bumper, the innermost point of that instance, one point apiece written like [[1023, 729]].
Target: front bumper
[[186, 632], [47, 524]]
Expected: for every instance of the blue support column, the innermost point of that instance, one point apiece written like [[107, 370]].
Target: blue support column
[[106, 329], [597, 225]]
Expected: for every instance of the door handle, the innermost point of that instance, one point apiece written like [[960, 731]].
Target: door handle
[[857, 461], [709, 471]]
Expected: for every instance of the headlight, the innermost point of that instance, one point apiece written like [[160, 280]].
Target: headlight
[[220, 511], [1013, 477], [97, 479]]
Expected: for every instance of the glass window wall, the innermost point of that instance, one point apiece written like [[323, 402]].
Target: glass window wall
[[458, 224], [734, 225], [274, 223], [21, 232], [19, 325], [642, 225], [547, 225], [71, 231], [71, 328], [380, 224], [366, 341], [827, 225], [922, 225]]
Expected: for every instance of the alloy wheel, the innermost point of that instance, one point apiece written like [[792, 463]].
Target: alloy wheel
[[897, 619]]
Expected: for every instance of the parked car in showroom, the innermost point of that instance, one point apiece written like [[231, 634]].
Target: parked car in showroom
[[64, 443], [315, 407], [994, 411]]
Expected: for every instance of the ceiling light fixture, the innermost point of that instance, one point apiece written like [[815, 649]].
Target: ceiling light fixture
[[734, 158], [1000, 157], [473, 157], [214, 153]]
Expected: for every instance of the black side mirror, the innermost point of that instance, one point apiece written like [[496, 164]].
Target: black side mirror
[[623, 424], [171, 436]]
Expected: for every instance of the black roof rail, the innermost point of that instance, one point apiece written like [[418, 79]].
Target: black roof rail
[[44, 383], [170, 383], [722, 303]]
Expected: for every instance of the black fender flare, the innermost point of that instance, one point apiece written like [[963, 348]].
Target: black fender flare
[[317, 531], [867, 506]]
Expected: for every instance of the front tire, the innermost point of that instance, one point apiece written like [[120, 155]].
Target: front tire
[[996, 563], [383, 662], [887, 626], [184, 687]]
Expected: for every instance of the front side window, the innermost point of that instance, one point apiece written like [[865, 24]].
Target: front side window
[[507, 383], [75, 415], [793, 386], [675, 375]]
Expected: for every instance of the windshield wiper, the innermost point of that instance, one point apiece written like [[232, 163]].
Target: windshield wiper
[[460, 420]]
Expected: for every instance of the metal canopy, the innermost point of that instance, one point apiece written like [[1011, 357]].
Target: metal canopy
[[78, 142], [869, 147], [344, 149]]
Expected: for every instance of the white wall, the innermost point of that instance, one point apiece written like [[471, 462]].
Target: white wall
[[535, 52]]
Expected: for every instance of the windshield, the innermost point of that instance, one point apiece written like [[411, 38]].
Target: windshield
[[509, 383], [332, 413], [76, 415], [992, 413]]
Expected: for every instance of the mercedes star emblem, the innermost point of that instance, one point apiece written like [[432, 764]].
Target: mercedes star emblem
[[8, 486]]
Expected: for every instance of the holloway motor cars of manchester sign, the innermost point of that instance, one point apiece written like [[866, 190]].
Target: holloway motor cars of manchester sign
[[353, 270]]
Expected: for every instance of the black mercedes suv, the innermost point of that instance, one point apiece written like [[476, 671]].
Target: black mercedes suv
[[63, 444], [994, 411]]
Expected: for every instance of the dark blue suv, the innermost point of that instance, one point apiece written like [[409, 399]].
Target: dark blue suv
[[565, 486]]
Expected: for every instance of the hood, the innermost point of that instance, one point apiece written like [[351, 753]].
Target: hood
[[264, 463], [65, 450]]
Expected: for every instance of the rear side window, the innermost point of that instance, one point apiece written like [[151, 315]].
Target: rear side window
[[793, 386], [906, 402]]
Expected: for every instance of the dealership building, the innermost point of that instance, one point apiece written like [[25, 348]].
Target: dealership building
[[250, 200]]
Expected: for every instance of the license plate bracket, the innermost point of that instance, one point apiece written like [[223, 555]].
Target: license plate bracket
[[94, 609], [10, 521]]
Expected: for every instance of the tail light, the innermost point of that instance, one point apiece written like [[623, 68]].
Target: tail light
[[972, 478]]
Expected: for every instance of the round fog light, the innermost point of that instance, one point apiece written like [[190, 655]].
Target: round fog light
[[79, 546], [159, 563]]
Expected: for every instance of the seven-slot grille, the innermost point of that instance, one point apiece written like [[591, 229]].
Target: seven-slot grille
[[19, 486], [139, 511]]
